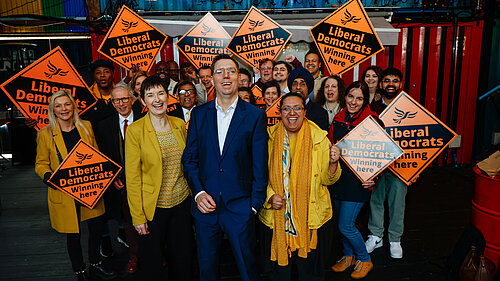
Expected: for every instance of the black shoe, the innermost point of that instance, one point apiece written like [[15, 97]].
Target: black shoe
[[82, 275], [106, 248], [99, 271]]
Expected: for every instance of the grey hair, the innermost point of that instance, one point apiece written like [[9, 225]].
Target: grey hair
[[123, 85]]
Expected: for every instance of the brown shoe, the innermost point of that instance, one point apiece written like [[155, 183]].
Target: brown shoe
[[343, 264], [361, 269]]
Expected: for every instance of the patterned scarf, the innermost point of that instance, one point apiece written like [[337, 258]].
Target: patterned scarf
[[292, 180]]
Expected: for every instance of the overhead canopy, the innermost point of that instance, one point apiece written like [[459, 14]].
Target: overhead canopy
[[297, 24]]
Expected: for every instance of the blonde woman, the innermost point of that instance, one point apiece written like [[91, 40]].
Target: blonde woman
[[54, 142]]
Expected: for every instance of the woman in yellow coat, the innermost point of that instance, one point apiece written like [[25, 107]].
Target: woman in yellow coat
[[302, 163], [157, 192], [54, 142]]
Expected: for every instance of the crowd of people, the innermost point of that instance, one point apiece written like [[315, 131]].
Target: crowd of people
[[213, 168]]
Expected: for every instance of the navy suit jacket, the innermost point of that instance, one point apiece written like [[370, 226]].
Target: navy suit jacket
[[238, 177]]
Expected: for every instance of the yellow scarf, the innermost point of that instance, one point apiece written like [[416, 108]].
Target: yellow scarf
[[282, 244]]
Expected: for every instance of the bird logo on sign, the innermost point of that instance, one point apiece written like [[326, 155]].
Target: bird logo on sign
[[53, 70], [128, 25], [366, 133], [349, 18], [254, 24], [82, 157], [207, 29], [403, 115]]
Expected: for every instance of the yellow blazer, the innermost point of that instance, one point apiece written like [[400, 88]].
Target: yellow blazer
[[63, 217], [143, 165]]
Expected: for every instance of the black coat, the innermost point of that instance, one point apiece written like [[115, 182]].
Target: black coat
[[99, 112], [317, 114], [178, 112], [110, 142]]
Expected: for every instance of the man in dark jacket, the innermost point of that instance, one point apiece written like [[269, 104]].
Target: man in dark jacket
[[301, 81], [103, 77], [390, 187], [111, 141]]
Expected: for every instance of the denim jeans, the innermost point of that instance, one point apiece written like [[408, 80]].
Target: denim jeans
[[354, 245]]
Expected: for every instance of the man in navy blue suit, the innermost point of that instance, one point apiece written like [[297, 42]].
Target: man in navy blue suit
[[225, 163]]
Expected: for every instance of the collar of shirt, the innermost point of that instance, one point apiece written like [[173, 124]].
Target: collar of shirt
[[121, 119], [185, 111], [232, 107], [319, 76], [383, 101], [223, 121]]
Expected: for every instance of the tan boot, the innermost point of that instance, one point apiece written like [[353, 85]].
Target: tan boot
[[361, 269], [343, 264]]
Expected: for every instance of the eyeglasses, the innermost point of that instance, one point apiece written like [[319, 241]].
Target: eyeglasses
[[185, 92], [222, 70], [123, 100], [393, 80], [288, 109]]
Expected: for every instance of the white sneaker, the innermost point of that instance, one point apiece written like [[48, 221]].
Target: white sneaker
[[396, 250], [373, 243]]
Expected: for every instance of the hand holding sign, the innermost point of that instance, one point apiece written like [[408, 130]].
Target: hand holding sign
[[368, 184], [334, 154]]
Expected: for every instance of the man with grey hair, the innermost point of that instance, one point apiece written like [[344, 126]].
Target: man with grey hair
[[110, 137]]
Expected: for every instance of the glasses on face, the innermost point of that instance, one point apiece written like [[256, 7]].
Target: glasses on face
[[222, 70], [288, 109], [393, 80], [185, 92], [123, 100]]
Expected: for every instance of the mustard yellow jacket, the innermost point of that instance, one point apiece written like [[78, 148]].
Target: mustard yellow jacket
[[63, 217], [143, 165], [320, 205]]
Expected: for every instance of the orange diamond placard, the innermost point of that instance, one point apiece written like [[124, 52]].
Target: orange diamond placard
[[421, 134], [368, 149], [204, 41], [132, 41], [258, 37], [85, 174], [273, 113], [346, 38], [257, 94], [30, 90]]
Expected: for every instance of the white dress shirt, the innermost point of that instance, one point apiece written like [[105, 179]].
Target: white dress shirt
[[130, 119], [187, 113], [223, 121]]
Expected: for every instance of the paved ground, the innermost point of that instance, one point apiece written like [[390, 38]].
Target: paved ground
[[438, 208]]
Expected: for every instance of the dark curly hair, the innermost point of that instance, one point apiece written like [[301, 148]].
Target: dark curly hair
[[320, 97]]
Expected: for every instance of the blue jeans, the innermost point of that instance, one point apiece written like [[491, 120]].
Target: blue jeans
[[354, 245]]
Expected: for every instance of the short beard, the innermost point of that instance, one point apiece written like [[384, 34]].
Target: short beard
[[391, 94]]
